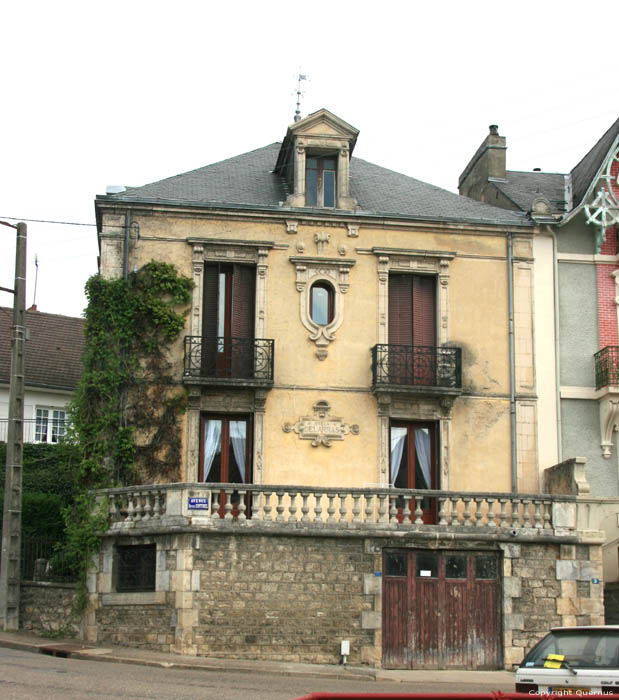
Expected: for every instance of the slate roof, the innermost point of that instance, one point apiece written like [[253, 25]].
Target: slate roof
[[53, 351], [522, 188], [583, 173], [249, 180]]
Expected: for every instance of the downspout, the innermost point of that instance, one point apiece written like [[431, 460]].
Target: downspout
[[126, 250], [512, 378], [555, 273]]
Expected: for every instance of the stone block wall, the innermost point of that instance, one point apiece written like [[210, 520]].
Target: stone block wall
[[548, 585], [283, 598], [48, 607], [295, 596]]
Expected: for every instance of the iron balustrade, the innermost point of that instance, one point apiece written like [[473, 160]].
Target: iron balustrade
[[423, 366], [607, 367], [228, 358]]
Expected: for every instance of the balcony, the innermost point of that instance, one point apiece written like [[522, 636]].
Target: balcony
[[607, 367], [337, 510], [50, 430], [229, 361], [607, 394], [423, 370]]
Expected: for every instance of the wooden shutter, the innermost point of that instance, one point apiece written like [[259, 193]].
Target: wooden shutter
[[242, 322], [400, 310], [424, 311], [243, 301], [209, 318]]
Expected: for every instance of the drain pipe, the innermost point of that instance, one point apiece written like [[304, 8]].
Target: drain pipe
[[512, 378], [555, 275], [127, 239]]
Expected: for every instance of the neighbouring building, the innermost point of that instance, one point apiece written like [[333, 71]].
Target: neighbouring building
[[576, 304], [361, 440], [53, 365]]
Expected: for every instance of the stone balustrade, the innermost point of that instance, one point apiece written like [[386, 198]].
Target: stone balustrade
[[215, 505]]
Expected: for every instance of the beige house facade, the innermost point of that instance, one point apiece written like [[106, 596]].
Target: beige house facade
[[359, 362]]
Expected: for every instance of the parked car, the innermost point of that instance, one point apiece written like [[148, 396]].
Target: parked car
[[572, 660]]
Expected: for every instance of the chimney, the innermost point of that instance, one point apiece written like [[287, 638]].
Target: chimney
[[489, 162]]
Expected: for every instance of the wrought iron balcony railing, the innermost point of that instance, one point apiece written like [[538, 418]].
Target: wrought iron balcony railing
[[416, 366], [607, 367], [240, 360]]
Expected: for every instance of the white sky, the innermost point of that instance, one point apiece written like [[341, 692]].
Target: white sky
[[129, 92]]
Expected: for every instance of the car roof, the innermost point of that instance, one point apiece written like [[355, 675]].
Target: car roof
[[584, 628]]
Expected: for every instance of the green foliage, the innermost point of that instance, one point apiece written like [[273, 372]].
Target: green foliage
[[48, 483], [125, 412]]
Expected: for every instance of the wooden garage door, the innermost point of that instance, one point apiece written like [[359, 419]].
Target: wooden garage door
[[441, 609]]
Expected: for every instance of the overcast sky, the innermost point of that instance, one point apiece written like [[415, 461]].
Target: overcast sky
[[126, 93]]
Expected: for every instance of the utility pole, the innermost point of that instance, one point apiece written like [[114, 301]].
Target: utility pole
[[10, 563]]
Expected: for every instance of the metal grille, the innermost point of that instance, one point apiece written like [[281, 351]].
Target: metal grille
[[136, 567], [408, 365], [607, 367], [229, 358]]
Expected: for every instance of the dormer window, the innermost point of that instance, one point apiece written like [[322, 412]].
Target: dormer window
[[320, 181], [314, 162]]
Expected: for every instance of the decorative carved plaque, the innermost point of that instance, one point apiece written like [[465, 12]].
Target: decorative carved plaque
[[321, 428]]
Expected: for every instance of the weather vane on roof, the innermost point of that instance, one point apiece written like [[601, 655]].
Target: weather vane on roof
[[297, 114]]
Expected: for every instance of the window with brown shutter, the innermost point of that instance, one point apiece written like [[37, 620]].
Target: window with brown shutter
[[228, 320], [412, 329]]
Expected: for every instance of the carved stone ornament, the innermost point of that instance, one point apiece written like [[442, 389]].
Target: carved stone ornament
[[321, 428], [322, 241], [335, 272], [609, 417]]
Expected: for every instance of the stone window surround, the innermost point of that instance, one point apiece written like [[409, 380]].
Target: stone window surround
[[334, 272], [320, 146], [210, 250], [412, 408]]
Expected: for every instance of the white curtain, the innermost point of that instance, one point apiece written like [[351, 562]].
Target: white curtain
[[422, 448], [238, 439], [212, 444], [398, 438]]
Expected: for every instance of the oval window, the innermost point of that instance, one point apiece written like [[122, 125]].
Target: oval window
[[321, 303]]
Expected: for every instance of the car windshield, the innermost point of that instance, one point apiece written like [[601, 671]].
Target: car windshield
[[580, 649]]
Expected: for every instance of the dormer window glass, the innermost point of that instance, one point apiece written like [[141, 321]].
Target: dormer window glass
[[320, 178]]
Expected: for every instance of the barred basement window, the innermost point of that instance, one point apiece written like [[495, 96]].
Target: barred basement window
[[135, 567]]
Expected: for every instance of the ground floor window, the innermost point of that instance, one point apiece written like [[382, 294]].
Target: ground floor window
[[413, 463], [136, 567], [50, 424], [226, 449]]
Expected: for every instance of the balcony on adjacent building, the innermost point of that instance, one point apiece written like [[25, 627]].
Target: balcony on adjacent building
[[227, 361], [42, 429], [607, 394], [424, 370], [607, 367]]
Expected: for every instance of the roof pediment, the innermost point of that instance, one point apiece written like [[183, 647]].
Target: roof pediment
[[324, 123]]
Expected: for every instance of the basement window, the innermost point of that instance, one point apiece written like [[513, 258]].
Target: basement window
[[135, 567]]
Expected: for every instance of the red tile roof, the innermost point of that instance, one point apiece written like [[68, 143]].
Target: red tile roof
[[53, 351]]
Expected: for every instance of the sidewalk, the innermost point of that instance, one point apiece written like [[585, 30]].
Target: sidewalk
[[127, 655]]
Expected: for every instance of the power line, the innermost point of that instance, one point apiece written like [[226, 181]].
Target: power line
[[47, 221]]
